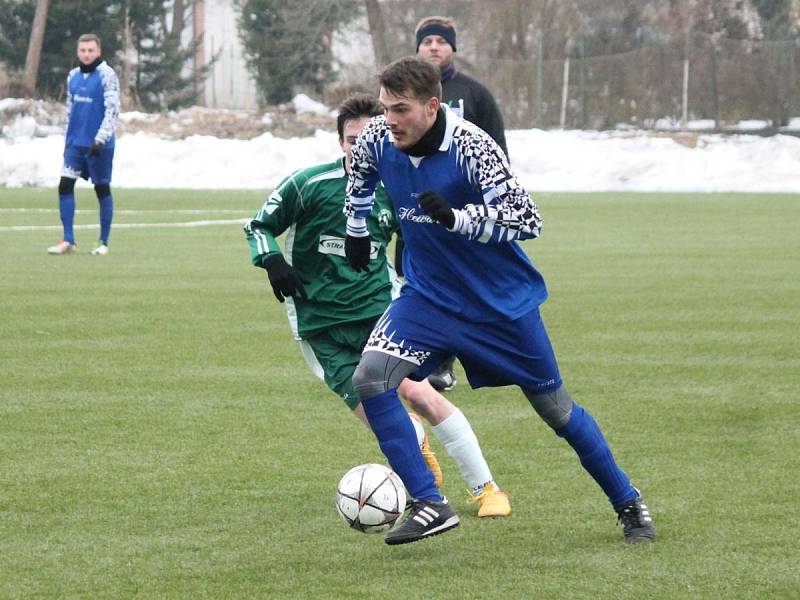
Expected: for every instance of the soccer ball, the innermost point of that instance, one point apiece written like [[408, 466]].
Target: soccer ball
[[370, 498]]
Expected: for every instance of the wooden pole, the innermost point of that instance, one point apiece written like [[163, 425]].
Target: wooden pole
[[34, 55]]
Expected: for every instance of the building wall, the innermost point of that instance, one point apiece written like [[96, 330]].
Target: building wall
[[229, 85]]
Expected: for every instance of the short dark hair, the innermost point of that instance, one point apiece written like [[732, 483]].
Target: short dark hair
[[90, 37], [412, 74], [355, 107]]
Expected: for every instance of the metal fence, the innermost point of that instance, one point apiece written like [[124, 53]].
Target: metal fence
[[720, 80]]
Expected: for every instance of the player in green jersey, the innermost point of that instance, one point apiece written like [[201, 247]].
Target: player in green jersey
[[332, 308]]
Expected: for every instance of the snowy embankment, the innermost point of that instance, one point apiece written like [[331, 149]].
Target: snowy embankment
[[31, 146]]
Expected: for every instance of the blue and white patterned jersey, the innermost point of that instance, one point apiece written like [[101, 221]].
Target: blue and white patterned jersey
[[92, 106], [476, 270]]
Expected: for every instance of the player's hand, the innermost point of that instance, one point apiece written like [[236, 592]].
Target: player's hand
[[285, 280], [438, 208], [357, 251], [96, 148]]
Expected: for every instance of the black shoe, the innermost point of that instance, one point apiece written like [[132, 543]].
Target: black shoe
[[425, 518], [443, 379], [637, 526]]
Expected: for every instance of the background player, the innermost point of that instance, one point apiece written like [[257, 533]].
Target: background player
[[92, 110]]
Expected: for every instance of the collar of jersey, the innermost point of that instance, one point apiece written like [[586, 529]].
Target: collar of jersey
[[450, 125]]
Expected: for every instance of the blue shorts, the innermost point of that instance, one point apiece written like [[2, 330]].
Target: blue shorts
[[79, 163], [494, 353]]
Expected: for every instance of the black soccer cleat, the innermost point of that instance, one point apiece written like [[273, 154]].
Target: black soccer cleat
[[426, 518], [443, 379], [637, 525]]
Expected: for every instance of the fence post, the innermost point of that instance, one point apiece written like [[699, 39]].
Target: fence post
[[564, 93], [539, 77], [685, 95]]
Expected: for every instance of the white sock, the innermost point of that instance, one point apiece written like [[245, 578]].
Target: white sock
[[456, 435]]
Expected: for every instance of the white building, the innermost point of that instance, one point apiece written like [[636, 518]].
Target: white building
[[229, 84]]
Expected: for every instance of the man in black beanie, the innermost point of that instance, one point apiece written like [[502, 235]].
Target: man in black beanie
[[468, 98]]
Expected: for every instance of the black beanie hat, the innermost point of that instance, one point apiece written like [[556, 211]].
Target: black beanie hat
[[445, 31]]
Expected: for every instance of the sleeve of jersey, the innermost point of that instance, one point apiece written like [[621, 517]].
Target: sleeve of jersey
[[111, 104], [361, 181], [276, 215], [69, 99], [508, 212]]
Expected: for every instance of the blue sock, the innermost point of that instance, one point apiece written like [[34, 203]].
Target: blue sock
[[66, 206], [106, 214], [398, 440], [585, 437]]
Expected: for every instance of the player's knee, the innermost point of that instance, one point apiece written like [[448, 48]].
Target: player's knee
[[555, 408], [102, 190], [369, 378], [66, 185]]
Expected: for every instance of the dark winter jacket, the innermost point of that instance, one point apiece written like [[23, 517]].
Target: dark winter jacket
[[476, 104]]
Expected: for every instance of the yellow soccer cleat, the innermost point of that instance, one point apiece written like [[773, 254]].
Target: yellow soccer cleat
[[427, 453], [491, 501]]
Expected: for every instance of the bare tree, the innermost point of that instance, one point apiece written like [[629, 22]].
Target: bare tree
[[198, 34], [377, 32], [35, 47]]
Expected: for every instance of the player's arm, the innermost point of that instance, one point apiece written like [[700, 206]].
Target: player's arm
[[361, 183], [360, 196], [283, 208], [111, 105], [69, 98], [508, 212]]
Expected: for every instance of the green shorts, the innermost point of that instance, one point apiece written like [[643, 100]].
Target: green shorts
[[334, 354]]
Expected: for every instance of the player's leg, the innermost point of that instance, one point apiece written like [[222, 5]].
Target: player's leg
[[443, 378], [333, 356], [376, 380], [551, 401], [389, 357], [73, 167], [106, 202], [519, 352], [455, 433], [100, 167], [573, 423]]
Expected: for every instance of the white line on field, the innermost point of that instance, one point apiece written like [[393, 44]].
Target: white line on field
[[128, 225], [127, 211]]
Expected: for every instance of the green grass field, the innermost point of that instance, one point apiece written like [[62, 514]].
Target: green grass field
[[161, 436]]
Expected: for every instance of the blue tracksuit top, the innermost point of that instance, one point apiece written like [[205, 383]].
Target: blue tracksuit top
[[476, 270], [92, 106]]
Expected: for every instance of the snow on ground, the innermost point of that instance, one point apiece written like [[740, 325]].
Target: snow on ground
[[30, 155]]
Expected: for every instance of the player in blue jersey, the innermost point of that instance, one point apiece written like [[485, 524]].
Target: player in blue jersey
[[470, 290], [92, 110]]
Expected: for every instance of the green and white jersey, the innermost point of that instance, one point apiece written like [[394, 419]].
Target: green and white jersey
[[309, 205]]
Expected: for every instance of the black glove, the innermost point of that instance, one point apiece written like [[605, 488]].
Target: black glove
[[357, 251], [96, 148], [437, 207], [285, 280]]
